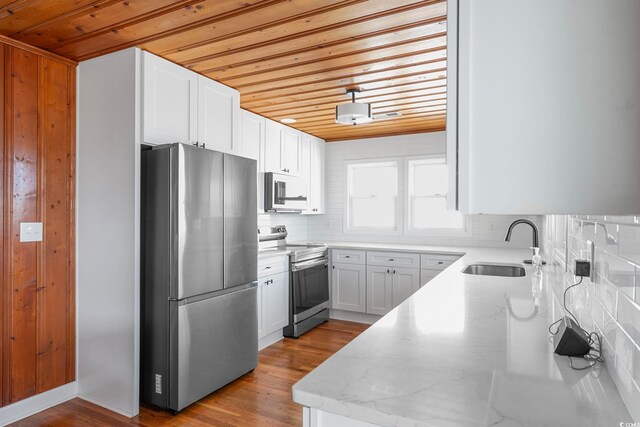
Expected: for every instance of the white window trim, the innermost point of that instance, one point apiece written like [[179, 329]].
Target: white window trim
[[398, 231], [465, 231]]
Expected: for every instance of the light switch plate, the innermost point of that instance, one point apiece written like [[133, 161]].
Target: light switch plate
[[31, 232]]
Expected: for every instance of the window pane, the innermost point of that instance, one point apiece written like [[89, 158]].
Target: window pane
[[428, 179], [374, 212], [432, 213], [379, 180]]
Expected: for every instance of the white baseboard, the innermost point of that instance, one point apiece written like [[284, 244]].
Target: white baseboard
[[38, 403], [267, 340], [110, 408], [352, 316]]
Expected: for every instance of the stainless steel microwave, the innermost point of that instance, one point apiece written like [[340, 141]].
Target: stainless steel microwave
[[284, 193]]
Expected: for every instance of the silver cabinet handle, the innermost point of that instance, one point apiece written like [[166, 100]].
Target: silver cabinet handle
[[388, 271], [440, 262], [347, 256], [394, 272], [267, 267], [391, 259]]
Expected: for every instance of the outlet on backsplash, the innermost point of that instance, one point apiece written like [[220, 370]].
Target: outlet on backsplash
[[610, 300]]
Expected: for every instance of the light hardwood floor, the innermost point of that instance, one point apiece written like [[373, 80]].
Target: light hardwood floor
[[260, 398]]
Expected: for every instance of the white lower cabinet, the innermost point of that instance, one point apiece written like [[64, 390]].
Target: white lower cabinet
[[387, 287], [379, 283], [348, 287], [405, 282], [273, 303]]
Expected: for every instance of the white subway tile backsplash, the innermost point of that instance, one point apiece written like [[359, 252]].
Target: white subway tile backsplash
[[629, 318], [629, 243], [609, 305]]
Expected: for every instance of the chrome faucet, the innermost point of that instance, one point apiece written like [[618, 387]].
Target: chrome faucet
[[534, 229]]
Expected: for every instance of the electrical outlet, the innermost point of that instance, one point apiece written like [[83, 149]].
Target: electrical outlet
[[158, 384]]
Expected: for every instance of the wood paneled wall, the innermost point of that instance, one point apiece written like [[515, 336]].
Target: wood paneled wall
[[37, 166]]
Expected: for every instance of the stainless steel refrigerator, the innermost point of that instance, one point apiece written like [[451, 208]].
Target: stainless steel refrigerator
[[199, 273]]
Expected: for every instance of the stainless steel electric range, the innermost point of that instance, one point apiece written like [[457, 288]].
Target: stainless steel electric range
[[308, 279]]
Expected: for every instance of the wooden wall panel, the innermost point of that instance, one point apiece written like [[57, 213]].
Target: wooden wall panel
[[38, 172], [3, 194], [22, 258], [54, 303]]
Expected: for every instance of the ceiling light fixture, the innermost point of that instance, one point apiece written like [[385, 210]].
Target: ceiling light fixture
[[354, 113], [288, 120]]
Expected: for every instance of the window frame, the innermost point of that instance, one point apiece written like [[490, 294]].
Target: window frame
[[346, 213], [409, 230]]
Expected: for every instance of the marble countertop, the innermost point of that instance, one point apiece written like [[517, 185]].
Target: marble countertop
[[464, 350], [397, 247]]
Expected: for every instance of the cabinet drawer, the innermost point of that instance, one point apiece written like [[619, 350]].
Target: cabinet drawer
[[437, 262], [346, 256], [273, 265], [393, 259]]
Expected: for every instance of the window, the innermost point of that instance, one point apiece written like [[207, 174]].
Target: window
[[396, 195], [427, 186], [372, 197]]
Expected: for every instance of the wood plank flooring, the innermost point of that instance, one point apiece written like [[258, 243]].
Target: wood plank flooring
[[260, 398]]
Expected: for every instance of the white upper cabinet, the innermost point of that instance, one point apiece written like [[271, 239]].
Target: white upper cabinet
[[547, 117], [291, 151], [282, 149], [272, 147], [170, 102], [315, 174], [252, 135], [218, 116]]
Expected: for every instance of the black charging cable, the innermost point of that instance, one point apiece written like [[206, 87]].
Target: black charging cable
[[595, 354]]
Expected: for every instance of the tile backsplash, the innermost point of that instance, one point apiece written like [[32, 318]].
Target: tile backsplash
[[608, 302]]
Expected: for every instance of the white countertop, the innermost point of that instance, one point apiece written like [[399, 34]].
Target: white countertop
[[456, 354]]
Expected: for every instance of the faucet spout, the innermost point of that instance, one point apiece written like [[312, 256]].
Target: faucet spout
[[534, 229]]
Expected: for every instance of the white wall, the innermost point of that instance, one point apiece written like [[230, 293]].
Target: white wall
[[108, 192], [486, 230]]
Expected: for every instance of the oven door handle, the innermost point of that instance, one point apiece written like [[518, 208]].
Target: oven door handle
[[309, 264]]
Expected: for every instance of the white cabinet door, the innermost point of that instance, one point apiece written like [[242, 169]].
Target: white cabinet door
[[277, 298], [313, 169], [525, 126], [379, 290], [405, 282], [218, 116], [426, 275], [252, 136], [262, 308], [291, 151], [316, 189], [170, 102], [272, 147], [348, 287]]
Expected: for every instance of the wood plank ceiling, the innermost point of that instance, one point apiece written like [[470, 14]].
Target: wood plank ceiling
[[288, 58]]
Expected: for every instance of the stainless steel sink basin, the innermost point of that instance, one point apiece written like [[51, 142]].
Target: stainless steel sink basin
[[504, 270]]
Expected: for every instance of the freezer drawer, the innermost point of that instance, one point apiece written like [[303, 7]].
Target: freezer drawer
[[217, 342]]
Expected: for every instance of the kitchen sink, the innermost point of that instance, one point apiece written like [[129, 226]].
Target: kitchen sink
[[504, 270]]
